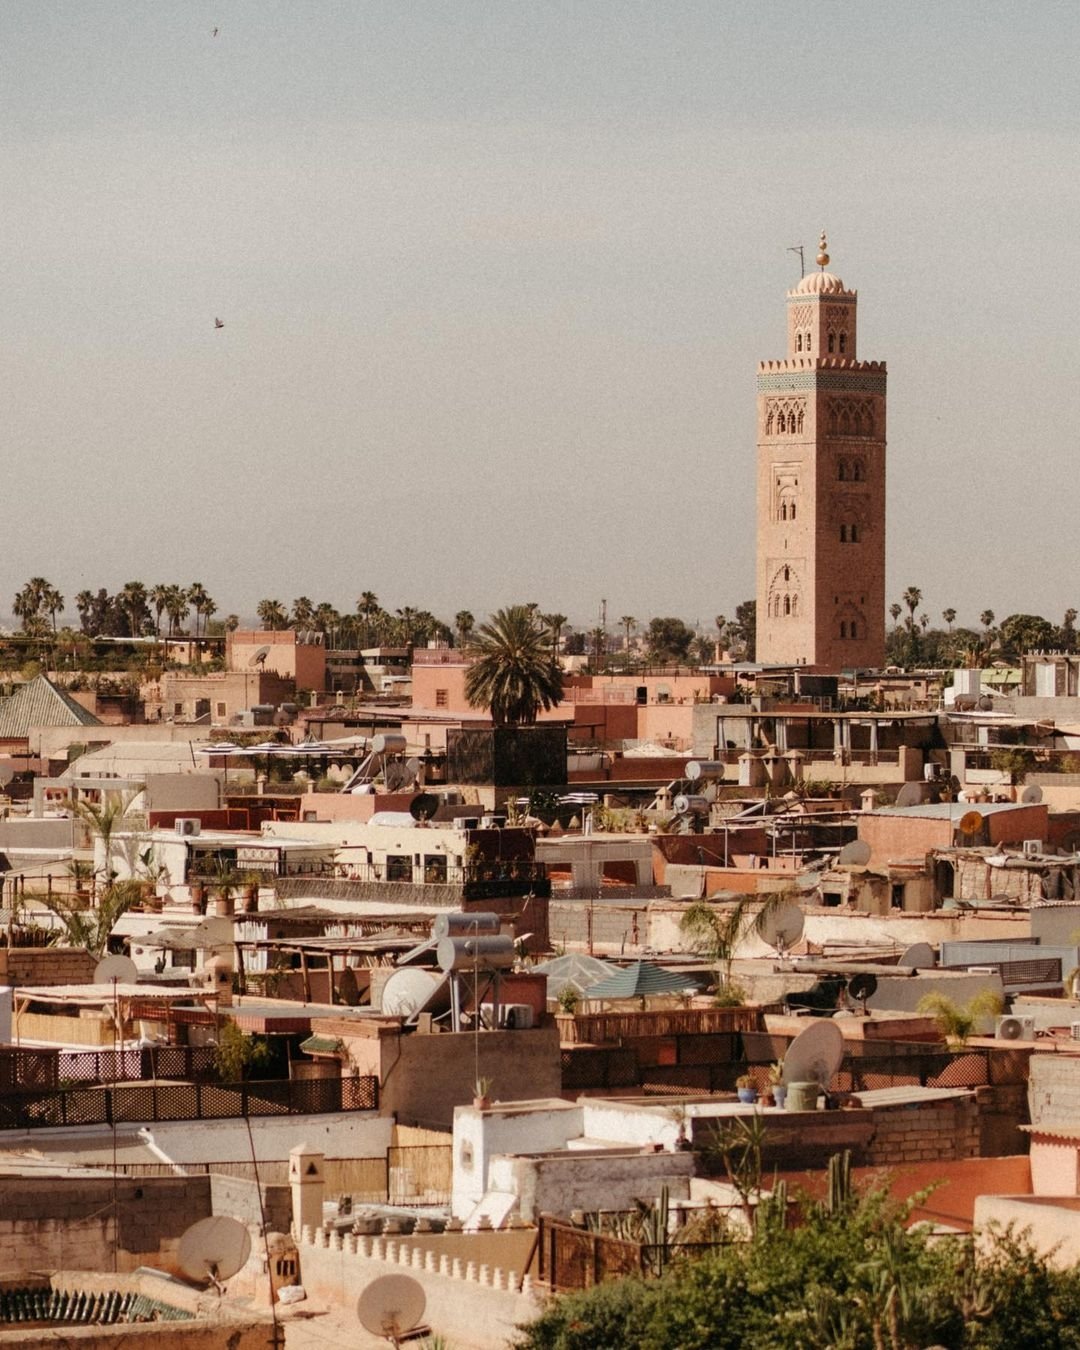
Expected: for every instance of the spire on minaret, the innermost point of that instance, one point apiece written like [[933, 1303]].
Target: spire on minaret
[[823, 255]]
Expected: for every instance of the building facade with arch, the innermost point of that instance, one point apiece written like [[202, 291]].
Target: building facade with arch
[[821, 487]]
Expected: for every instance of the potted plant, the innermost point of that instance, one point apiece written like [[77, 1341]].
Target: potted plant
[[568, 999], [744, 1086], [481, 1100], [776, 1082]]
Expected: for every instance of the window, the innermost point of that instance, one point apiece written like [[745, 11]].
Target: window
[[798, 342], [853, 534], [843, 534], [442, 698], [787, 604], [808, 340], [843, 628], [220, 710], [841, 470], [398, 867], [843, 342], [832, 342], [787, 573], [854, 629]]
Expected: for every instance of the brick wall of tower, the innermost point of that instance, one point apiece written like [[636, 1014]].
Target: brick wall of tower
[[820, 577]]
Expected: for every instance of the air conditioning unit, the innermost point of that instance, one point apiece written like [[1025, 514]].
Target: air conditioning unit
[[982, 970], [187, 826], [1032, 847], [1015, 1029], [932, 772], [1074, 1030]]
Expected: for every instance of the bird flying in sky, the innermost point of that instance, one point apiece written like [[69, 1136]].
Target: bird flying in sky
[[219, 323]]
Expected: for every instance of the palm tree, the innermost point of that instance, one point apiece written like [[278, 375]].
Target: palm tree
[[132, 600], [554, 625], [949, 615], [232, 622], [895, 610], [986, 618], [176, 606], [628, 624], [406, 623], [717, 931], [159, 598], [303, 613], [464, 623], [52, 602], [515, 675], [272, 614], [84, 603], [102, 821], [912, 598], [197, 596]]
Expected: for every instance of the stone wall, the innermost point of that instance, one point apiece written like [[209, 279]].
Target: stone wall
[[25, 966], [559, 1183], [71, 1222], [239, 1198], [475, 1307], [1054, 1090]]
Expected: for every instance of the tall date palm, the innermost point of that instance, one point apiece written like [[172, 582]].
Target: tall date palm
[[514, 674]]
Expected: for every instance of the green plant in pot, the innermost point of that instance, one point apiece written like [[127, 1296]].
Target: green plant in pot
[[776, 1082]]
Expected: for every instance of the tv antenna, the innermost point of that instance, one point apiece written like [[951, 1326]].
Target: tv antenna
[[798, 248]]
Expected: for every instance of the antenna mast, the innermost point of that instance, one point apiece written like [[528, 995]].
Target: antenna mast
[[798, 248]]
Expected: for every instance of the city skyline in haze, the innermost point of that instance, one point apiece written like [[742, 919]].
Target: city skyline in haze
[[495, 281]]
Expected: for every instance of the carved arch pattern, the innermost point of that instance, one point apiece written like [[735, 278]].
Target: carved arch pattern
[[850, 417], [785, 594], [785, 416]]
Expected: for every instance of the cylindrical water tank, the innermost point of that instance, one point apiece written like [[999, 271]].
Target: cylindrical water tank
[[704, 768], [686, 805], [388, 743], [454, 924], [467, 953]]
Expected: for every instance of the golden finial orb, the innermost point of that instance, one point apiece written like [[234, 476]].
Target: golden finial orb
[[823, 255]]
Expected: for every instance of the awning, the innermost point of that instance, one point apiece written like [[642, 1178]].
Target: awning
[[321, 1045]]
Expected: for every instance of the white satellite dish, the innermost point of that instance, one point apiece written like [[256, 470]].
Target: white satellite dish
[[391, 1306], [781, 927], [122, 969], [911, 794], [214, 1249], [855, 854], [919, 956], [407, 991], [1032, 795], [814, 1055]]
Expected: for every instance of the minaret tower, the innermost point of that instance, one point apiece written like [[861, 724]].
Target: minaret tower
[[821, 487]]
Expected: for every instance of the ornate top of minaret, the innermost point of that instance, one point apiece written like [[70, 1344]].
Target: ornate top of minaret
[[821, 283]]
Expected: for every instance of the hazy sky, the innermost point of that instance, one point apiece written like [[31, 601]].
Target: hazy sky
[[495, 279]]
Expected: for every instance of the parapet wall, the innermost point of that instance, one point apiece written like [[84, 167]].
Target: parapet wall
[[476, 1307]]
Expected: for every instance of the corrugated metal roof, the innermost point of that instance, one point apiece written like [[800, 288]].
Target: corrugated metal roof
[[949, 810], [40, 703], [642, 978]]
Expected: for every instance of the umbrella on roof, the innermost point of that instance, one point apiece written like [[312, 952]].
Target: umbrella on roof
[[639, 980], [576, 971]]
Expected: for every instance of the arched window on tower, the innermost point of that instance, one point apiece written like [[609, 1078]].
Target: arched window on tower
[[769, 423], [787, 605], [854, 629], [798, 342], [853, 534], [800, 419], [857, 471], [832, 343], [843, 628], [841, 470], [843, 534], [843, 343], [795, 606], [787, 573], [808, 339], [781, 423]]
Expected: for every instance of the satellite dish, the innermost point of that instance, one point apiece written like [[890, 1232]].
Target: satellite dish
[[423, 806], [781, 927], [1030, 795], [911, 794], [258, 657], [971, 822], [214, 1249], [408, 990], [855, 854], [814, 1055], [7, 773], [862, 987], [919, 956], [391, 1306], [122, 969]]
